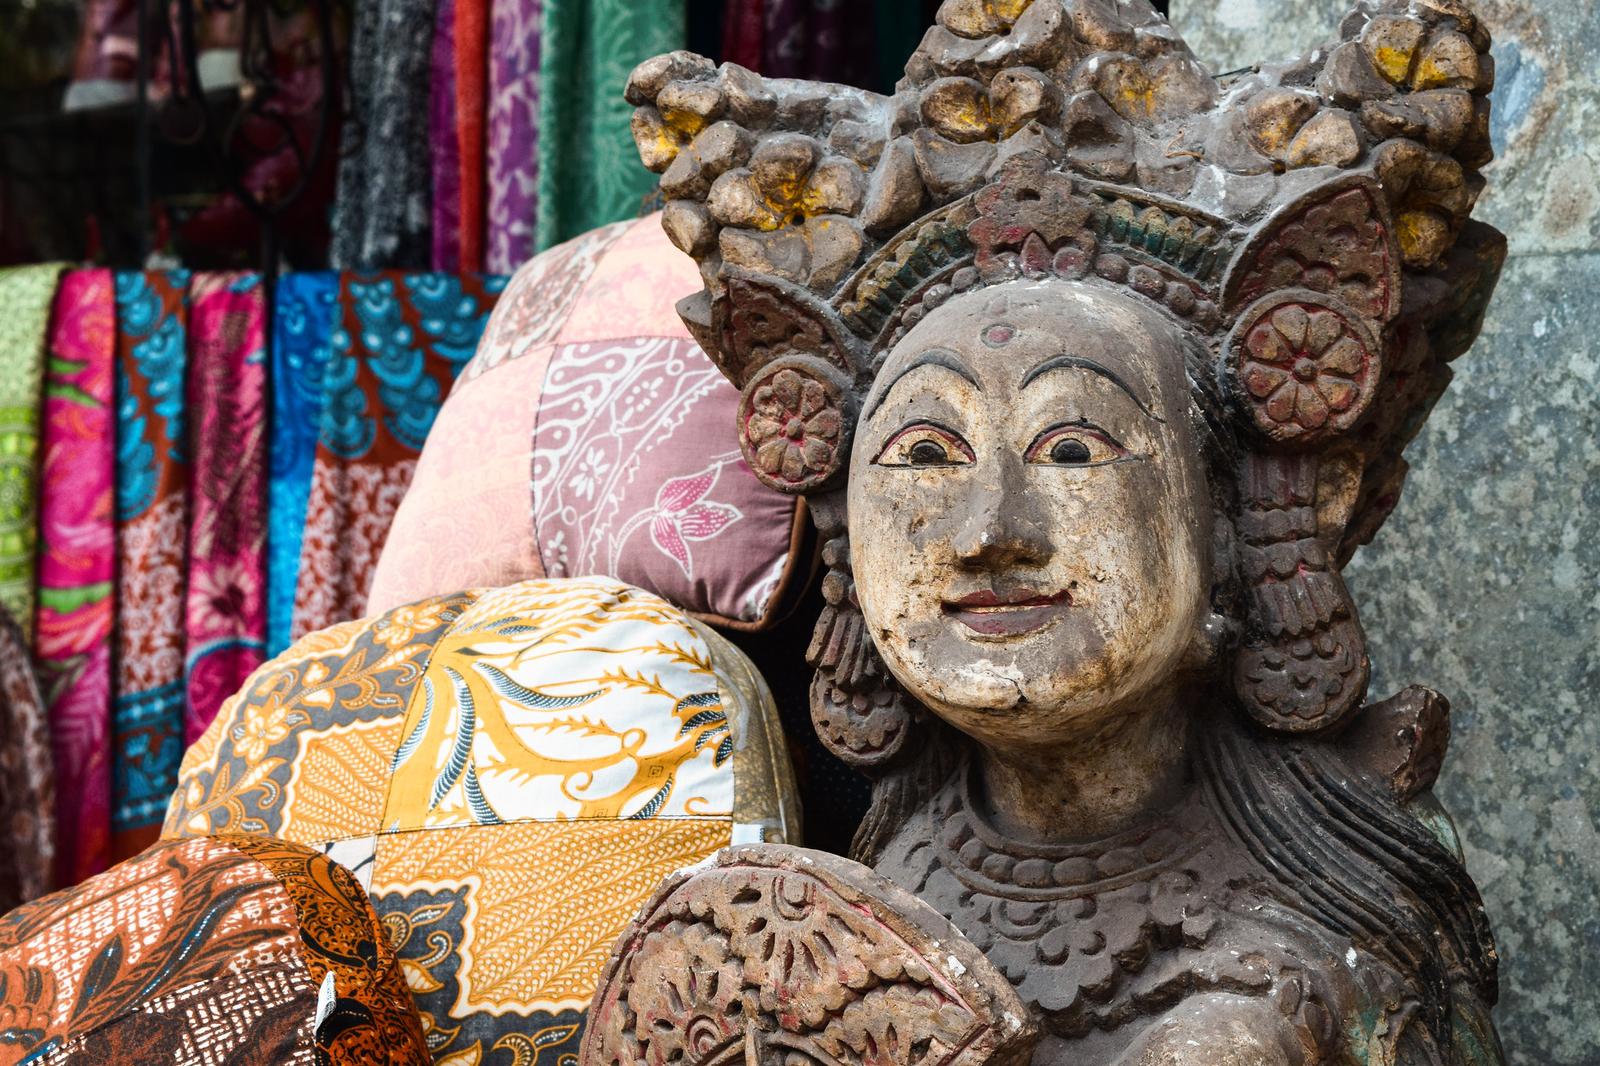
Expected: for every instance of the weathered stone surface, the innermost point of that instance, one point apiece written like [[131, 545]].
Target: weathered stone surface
[[1486, 586], [1486, 582], [1544, 186]]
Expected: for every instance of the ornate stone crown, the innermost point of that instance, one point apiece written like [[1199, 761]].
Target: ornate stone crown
[[1307, 221]]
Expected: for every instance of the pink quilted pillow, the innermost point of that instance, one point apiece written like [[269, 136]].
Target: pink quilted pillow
[[587, 380]]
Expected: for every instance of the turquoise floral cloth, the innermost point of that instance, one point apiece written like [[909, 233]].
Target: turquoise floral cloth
[[398, 344]]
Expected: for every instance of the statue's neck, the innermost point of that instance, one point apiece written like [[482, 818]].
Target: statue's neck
[[1092, 786]]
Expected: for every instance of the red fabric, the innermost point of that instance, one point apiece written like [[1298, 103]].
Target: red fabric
[[743, 33], [472, 86]]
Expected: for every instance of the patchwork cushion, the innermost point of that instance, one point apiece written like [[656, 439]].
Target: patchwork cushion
[[511, 772], [587, 380], [236, 949]]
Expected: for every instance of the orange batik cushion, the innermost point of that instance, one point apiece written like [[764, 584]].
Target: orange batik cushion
[[237, 949], [510, 772]]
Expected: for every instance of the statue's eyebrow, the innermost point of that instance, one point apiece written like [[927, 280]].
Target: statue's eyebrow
[[1078, 362], [932, 357]]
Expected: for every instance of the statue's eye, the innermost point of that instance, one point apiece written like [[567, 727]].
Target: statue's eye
[[925, 445], [1076, 444], [1069, 452]]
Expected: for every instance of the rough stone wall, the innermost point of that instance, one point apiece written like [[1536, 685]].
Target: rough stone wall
[[1486, 582]]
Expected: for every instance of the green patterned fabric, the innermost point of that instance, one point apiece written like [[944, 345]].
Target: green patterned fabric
[[25, 297], [589, 170]]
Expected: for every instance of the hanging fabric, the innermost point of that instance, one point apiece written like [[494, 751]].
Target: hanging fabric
[[589, 172], [472, 85], [381, 215], [445, 140], [897, 26], [401, 341], [303, 318], [77, 564], [152, 499], [513, 168], [820, 40], [743, 31], [27, 789], [25, 297], [225, 617]]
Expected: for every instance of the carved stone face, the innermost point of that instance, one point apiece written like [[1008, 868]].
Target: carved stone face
[[1030, 526]]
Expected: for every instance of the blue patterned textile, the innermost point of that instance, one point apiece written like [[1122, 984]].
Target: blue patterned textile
[[304, 315]]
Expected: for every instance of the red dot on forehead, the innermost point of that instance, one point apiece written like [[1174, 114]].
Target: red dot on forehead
[[998, 335]]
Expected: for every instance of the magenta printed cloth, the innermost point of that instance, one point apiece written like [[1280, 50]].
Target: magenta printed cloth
[[225, 614], [513, 150], [587, 377], [77, 565]]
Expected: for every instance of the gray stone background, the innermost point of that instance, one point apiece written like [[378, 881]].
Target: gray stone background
[[1485, 584]]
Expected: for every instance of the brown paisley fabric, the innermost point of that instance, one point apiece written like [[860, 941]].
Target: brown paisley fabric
[[202, 952], [27, 794]]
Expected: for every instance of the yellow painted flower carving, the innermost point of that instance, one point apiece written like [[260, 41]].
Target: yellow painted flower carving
[[791, 211], [980, 18]]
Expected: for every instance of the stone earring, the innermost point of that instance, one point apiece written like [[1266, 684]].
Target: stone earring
[[860, 713]]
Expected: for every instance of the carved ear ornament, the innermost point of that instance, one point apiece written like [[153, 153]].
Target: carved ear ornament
[[861, 715], [1303, 665]]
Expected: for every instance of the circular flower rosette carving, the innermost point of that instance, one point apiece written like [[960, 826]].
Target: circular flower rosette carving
[[1305, 365], [795, 424]]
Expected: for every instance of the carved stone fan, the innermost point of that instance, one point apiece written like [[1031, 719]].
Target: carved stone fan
[[778, 956]]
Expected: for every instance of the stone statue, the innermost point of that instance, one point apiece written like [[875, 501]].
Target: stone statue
[[1095, 369]]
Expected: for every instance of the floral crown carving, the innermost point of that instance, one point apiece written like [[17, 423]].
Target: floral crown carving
[[1308, 221]]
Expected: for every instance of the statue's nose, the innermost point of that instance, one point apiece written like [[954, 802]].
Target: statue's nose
[[1003, 526]]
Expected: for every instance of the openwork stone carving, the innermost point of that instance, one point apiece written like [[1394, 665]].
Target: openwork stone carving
[[783, 956], [1095, 369]]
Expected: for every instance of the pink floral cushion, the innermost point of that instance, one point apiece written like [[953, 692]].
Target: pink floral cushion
[[587, 380]]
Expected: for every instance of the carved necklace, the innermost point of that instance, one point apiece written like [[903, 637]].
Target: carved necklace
[[986, 860], [1086, 932]]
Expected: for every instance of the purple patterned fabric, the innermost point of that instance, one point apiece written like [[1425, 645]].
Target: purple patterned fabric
[[636, 475], [445, 141], [513, 169]]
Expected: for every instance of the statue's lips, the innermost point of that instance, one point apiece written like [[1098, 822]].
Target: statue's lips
[[1007, 615]]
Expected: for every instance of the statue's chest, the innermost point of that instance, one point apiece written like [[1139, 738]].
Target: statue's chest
[[1094, 936]]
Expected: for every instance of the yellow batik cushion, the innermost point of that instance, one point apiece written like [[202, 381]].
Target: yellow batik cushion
[[510, 772]]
